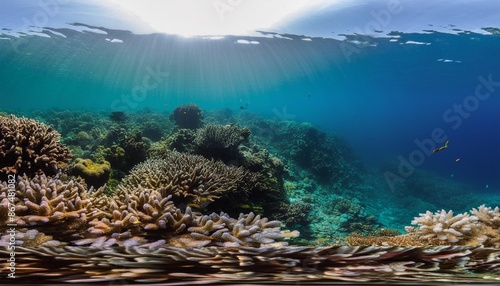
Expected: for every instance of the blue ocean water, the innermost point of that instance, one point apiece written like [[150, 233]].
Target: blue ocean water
[[362, 115], [381, 94]]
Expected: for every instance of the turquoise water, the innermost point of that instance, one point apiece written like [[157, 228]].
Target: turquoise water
[[380, 96], [371, 129]]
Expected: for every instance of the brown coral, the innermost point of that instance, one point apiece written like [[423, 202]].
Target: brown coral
[[28, 146], [220, 142], [190, 179], [222, 230], [47, 202]]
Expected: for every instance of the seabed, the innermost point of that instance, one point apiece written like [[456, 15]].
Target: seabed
[[339, 265]]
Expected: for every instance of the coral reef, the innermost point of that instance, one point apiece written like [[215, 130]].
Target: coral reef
[[220, 142], [61, 208], [118, 116], [94, 174], [444, 226], [191, 179], [480, 228], [222, 230], [187, 116], [28, 146], [68, 212], [490, 219], [126, 148], [182, 141], [327, 157]]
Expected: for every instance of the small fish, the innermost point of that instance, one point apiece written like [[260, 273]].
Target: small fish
[[442, 147], [457, 160], [487, 186]]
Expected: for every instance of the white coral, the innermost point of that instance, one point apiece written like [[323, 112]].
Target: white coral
[[446, 227], [487, 215]]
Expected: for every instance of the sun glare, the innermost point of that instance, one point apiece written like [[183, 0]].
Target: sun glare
[[214, 17]]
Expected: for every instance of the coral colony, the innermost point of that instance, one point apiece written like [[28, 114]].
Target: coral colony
[[206, 185]]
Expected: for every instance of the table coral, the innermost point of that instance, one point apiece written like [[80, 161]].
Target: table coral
[[28, 146]]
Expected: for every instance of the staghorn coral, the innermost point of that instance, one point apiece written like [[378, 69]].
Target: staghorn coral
[[222, 230], [462, 229], [190, 179], [48, 203], [187, 116], [490, 218], [28, 146], [150, 218], [220, 142], [94, 174], [125, 218]]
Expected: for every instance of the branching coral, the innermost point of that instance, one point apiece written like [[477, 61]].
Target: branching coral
[[148, 217], [490, 218], [220, 141], [459, 229], [222, 230], [189, 178], [28, 146], [48, 202], [187, 116]]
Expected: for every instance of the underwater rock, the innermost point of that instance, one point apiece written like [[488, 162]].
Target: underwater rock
[[94, 174], [187, 116], [28, 146]]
